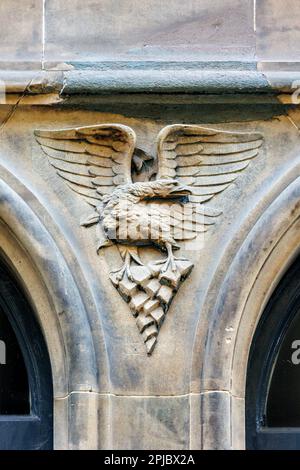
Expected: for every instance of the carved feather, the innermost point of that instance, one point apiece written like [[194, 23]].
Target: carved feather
[[208, 160], [92, 160]]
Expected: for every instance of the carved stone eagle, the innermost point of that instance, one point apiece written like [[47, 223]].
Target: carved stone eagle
[[194, 164]]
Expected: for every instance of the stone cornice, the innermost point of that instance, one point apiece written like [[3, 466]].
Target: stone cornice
[[151, 77]]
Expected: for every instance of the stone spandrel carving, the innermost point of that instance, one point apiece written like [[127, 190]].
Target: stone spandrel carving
[[193, 165]]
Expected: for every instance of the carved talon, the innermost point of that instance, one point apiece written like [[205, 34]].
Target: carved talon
[[170, 261], [103, 244], [129, 275], [121, 272], [124, 270]]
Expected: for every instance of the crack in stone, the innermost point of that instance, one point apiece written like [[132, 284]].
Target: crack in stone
[[15, 106]]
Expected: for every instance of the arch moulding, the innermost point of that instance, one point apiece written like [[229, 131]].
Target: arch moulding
[[265, 254], [35, 257]]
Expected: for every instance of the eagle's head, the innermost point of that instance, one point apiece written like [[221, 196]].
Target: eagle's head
[[163, 188]]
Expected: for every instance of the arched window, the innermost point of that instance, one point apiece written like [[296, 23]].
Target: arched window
[[26, 397], [273, 379]]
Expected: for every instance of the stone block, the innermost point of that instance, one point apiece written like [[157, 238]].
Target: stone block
[[152, 287], [156, 30], [140, 274], [155, 268], [184, 267], [278, 33], [143, 321], [170, 278], [150, 344], [158, 315], [150, 305], [141, 422], [215, 413], [127, 287], [149, 332], [21, 30], [138, 300], [165, 295]]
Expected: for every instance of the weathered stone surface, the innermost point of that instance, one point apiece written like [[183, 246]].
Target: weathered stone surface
[[21, 31], [112, 31], [216, 410], [150, 422], [190, 391], [278, 35], [196, 421], [52, 275], [81, 408]]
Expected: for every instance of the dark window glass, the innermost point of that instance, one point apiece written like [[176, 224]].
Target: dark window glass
[[26, 392], [283, 403], [14, 389], [273, 376]]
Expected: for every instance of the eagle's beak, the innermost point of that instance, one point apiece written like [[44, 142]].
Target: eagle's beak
[[181, 190]]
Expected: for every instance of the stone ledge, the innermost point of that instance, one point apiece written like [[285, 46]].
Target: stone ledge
[[159, 78]]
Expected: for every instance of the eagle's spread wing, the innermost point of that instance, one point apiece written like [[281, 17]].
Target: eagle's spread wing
[[92, 160], [205, 159]]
